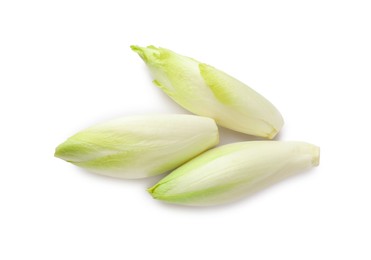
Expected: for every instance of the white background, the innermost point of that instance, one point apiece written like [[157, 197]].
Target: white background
[[65, 65]]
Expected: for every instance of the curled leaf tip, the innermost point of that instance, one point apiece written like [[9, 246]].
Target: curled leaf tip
[[149, 54], [139, 50]]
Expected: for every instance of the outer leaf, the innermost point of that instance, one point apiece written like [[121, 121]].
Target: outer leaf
[[233, 171], [207, 91], [140, 146]]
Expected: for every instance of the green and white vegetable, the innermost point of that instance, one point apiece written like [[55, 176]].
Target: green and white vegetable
[[206, 91], [140, 146], [232, 171]]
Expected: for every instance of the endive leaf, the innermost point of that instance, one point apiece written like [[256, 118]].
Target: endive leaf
[[139, 146], [232, 171], [206, 91]]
